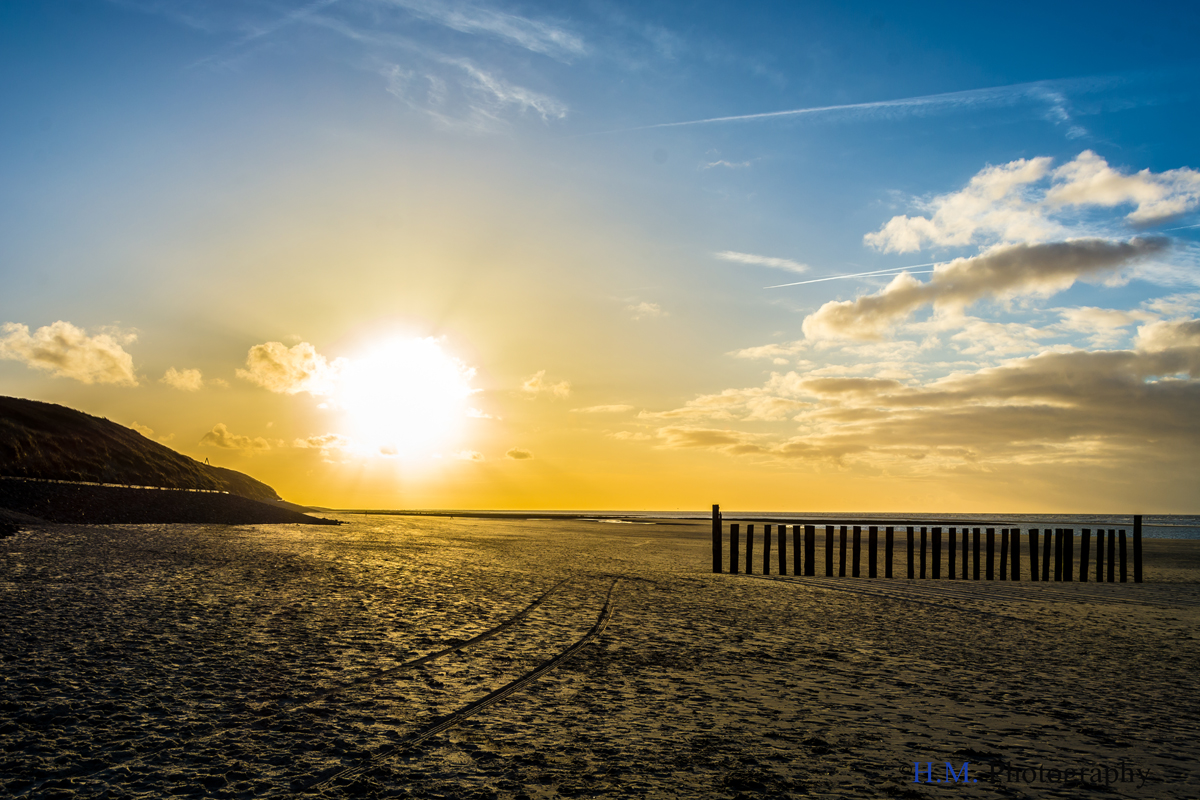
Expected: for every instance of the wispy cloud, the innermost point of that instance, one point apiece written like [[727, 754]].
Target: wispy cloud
[[762, 261], [538, 36]]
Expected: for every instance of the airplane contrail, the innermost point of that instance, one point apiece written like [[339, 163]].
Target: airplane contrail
[[889, 270], [1047, 91]]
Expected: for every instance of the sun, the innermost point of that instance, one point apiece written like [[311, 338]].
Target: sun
[[404, 397]]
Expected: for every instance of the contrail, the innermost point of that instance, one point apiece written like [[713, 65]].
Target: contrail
[[995, 95], [860, 275]]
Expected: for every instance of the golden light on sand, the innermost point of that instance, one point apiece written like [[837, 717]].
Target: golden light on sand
[[405, 398]]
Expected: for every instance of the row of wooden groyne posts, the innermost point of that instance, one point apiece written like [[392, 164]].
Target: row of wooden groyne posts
[[924, 554]]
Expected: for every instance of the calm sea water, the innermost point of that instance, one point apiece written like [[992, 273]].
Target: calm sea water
[[1154, 526]]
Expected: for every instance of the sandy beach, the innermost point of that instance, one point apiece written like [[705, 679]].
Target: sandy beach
[[276, 660]]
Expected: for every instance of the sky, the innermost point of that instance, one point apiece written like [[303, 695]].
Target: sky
[[617, 255]]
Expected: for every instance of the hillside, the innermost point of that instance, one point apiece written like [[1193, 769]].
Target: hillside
[[44, 440]]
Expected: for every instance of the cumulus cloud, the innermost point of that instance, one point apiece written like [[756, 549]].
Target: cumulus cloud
[[67, 351], [1010, 203], [762, 261], [518, 454], [646, 310], [1004, 271], [301, 368], [220, 436], [537, 384], [611, 409], [148, 432], [188, 380], [779, 354]]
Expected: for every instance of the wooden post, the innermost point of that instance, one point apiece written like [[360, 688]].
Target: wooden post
[[1085, 546], [910, 552], [842, 553], [1099, 555], [716, 538], [872, 551], [828, 551], [1124, 573], [810, 550], [937, 553], [953, 549], [1046, 545], [1137, 548], [889, 538], [1015, 542], [733, 548], [991, 554], [798, 550], [1004, 554], [966, 547], [857, 550], [783, 549], [1068, 554], [1058, 541], [924, 546], [1033, 554], [749, 549], [766, 549], [1112, 555], [975, 534]]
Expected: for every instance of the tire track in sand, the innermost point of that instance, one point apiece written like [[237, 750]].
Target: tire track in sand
[[471, 709]]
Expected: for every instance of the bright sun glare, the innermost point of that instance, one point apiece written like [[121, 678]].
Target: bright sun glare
[[405, 397]]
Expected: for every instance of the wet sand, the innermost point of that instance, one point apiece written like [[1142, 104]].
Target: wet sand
[[274, 660]]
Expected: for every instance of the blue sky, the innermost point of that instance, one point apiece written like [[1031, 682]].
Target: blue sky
[[599, 193]]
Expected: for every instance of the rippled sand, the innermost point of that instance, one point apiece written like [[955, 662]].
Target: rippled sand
[[222, 661]]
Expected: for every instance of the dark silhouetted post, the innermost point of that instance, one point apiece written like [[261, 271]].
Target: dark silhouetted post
[[857, 550], [991, 554], [1004, 554], [937, 553], [1015, 543], [766, 549], [1100, 555], [1033, 553], [783, 549], [1137, 548], [924, 546], [872, 551], [1112, 555], [716, 538], [749, 549], [810, 549], [1068, 554], [1058, 545], [1124, 573], [952, 550], [828, 551], [889, 538], [965, 553], [733, 547], [1046, 545], [910, 552], [1085, 548], [975, 534], [842, 553]]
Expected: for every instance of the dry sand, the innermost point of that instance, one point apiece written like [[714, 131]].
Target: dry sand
[[223, 661]]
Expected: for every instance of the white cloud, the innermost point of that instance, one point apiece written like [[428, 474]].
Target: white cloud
[[762, 261], [536, 35], [301, 368], [188, 380], [468, 455], [611, 409], [67, 351], [537, 384], [779, 354], [220, 436], [726, 164], [1005, 204], [646, 310], [1005, 271]]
